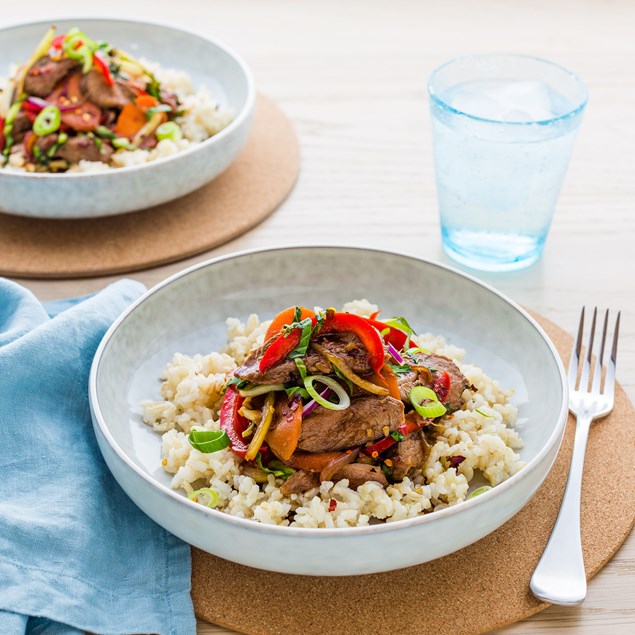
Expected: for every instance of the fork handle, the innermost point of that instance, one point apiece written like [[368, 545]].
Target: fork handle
[[559, 577]]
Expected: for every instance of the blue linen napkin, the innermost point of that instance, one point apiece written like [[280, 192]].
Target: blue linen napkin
[[75, 553]]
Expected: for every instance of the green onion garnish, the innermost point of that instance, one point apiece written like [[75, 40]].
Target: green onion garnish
[[329, 382], [301, 366], [430, 410], [207, 441], [168, 130], [254, 391], [102, 131], [478, 491], [483, 414], [204, 496]]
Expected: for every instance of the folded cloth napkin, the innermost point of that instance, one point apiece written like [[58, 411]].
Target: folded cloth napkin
[[75, 553]]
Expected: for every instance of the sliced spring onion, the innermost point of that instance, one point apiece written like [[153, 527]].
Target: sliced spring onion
[[208, 441], [204, 496], [169, 130], [396, 356], [47, 121], [13, 112], [102, 131], [329, 382], [483, 413], [263, 428], [478, 491], [301, 366], [81, 48], [347, 371], [122, 143], [312, 405], [260, 390], [430, 410], [417, 349]]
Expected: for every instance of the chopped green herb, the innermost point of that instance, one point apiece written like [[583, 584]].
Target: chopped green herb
[[482, 413], [400, 369], [402, 324], [277, 468], [155, 109], [307, 329], [235, 381], [297, 390], [397, 436]]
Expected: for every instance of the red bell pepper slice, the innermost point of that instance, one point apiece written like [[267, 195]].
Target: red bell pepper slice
[[232, 421], [362, 328], [442, 386], [406, 428], [286, 317], [102, 64], [283, 344]]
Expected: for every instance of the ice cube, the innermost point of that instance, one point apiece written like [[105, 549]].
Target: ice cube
[[504, 100]]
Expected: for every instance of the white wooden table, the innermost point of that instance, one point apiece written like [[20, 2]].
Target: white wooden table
[[352, 77]]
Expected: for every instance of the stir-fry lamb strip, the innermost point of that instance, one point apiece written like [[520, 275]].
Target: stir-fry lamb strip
[[437, 365], [84, 148], [105, 96], [367, 419], [45, 74], [299, 482], [410, 453], [359, 473], [344, 345], [21, 125]]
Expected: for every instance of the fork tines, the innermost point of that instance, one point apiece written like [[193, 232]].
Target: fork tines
[[594, 357]]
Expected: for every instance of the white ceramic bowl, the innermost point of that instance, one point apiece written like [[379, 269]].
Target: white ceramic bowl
[[85, 195], [187, 313]]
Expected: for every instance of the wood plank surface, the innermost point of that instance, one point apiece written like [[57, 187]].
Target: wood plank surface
[[352, 77]]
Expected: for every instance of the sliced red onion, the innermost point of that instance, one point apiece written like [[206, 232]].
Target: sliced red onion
[[396, 356], [312, 405], [36, 103]]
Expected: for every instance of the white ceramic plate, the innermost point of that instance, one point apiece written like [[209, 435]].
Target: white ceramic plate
[[187, 313], [116, 191]]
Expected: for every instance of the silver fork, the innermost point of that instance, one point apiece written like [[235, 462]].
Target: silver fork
[[559, 577]]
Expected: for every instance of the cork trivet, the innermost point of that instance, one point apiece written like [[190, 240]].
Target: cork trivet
[[477, 589], [251, 189]]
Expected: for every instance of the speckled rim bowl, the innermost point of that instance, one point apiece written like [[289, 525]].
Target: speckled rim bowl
[[187, 313], [121, 190]]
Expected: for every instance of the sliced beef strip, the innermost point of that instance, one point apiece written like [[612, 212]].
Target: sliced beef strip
[[21, 125], [47, 142], [359, 473], [45, 74], [436, 364], [105, 96], [345, 345], [83, 148], [411, 452], [299, 482], [364, 420]]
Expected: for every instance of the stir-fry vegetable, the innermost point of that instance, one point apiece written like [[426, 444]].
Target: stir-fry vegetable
[[344, 400], [478, 491], [262, 429], [426, 403], [47, 121], [208, 441], [283, 439], [232, 422], [204, 496], [169, 130]]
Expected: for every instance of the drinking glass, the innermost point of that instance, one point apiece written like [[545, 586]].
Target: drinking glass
[[503, 130]]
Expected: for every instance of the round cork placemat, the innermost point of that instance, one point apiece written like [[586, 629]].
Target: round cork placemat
[[480, 588], [252, 188]]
